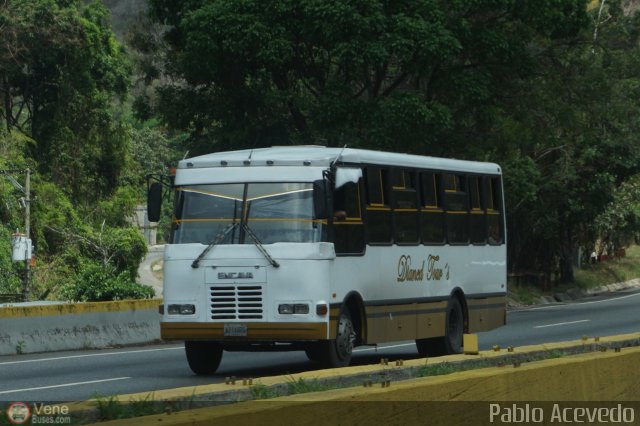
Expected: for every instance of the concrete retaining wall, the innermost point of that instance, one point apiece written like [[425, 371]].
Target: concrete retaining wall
[[68, 326]]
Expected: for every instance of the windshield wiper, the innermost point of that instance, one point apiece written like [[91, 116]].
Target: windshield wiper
[[258, 244], [223, 234], [216, 240]]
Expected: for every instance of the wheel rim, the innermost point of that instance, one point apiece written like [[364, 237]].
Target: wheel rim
[[345, 338]]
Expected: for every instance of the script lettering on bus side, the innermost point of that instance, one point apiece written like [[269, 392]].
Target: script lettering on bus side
[[434, 272], [406, 273]]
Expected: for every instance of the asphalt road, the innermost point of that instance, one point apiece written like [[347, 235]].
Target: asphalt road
[[79, 375], [146, 276]]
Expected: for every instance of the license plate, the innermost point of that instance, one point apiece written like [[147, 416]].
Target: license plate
[[235, 330]]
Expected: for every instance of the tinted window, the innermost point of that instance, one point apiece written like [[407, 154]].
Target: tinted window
[[378, 211]]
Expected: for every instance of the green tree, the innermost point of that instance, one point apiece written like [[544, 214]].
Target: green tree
[[569, 141], [549, 89], [412, 75], [61, 68]]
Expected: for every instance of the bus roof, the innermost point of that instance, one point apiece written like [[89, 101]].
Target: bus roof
[[311, 155]]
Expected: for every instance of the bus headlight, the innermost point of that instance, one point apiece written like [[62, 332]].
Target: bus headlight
[[181, 309], [300, 308], [288, 309], [285, 309]]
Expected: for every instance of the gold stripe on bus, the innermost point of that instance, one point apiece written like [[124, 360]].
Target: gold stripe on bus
[[215, 194], [407, 321], [255, 331], [274, 219], [253, 220], [379, 209], [486, 314], [203, 220]]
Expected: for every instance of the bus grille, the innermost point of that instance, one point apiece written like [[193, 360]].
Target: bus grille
[[236, 302]]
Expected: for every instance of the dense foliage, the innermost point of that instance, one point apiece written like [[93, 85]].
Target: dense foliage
[[63, 79], [547, 88]]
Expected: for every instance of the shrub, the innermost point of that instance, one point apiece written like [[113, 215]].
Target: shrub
[[97, 282]]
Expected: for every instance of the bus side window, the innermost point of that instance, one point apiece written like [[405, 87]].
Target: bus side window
[[378, 211], [432, 214], [457, 210], [348, 230], [495, 226], [477, 204], [405, 207]]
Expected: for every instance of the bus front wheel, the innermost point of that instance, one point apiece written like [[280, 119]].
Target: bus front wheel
[[337, 353], [451, 342], [203, 357]]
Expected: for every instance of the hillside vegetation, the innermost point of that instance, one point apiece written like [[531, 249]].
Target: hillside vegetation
[[550, 89]]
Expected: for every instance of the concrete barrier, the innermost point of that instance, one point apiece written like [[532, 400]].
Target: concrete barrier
[[68, 326], [571, 389]]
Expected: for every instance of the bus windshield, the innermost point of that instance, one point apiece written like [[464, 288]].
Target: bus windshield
[[275, 212]]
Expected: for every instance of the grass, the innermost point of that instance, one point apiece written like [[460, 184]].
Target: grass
[[260, 391], [110, 408], [292, 387], [305, 386], [610, 271], [437, 369], [524, 293], [588, 277]]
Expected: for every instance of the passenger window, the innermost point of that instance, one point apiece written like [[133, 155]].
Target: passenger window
[[478, 217], [495, 223], [348, 232], [432, 213], [456, 205], [378, 210], [405, 205]]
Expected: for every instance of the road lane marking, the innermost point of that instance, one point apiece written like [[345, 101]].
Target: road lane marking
[[64, 385], [561, 323], [90, 355], [26, 361], [613, 299], [383, 347]]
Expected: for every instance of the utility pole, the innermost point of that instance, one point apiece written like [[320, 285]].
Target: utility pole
[[27, 226], [26, 190]]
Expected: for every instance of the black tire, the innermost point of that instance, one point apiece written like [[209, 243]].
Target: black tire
[[337, 353], [451, 342], [315, 352], [203, 357]]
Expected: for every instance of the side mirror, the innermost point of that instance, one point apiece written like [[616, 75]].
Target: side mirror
[[154, 201], [321, 199]]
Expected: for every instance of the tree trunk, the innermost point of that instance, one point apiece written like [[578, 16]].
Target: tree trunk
[[566, 254]]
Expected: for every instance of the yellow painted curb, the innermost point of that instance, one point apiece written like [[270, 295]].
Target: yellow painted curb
[[203, 393], [78, 308], [598, 376], [374, 369]]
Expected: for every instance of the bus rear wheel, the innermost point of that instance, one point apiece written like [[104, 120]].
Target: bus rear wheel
[[451, 342], [203, 357], [337, 353]]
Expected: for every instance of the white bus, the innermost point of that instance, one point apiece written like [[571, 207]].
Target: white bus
[[324, 249]]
